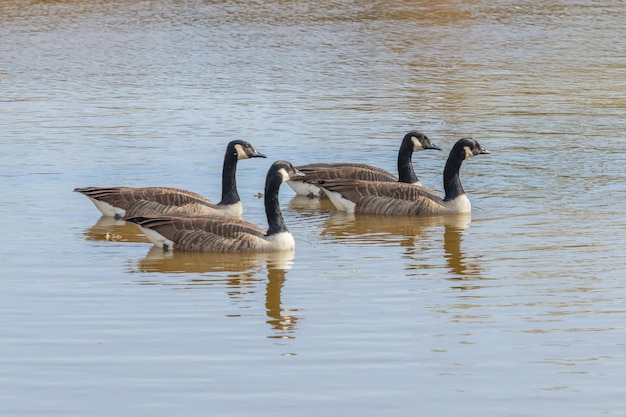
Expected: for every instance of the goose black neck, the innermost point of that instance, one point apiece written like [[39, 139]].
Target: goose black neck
[[229, 180], [451, 178], [275, 219], [406, 173]]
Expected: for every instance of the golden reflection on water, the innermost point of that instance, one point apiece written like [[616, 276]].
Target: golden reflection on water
[[242, 279], [343, 224], [112, 230], [302, 203], [242, 271], [407, 232], [457, 262], [195, 262]]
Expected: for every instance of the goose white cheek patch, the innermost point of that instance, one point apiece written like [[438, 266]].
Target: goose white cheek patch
[[417, 145], [241, 154], [284, 174]]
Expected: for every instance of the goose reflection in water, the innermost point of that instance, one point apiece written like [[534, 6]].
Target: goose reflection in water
[[452, 237], [411, 232], [113, 230], [241, 273], [303, 204]]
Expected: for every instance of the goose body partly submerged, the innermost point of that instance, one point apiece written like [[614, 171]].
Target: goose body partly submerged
[[220, 234], [412, 142], [123, 202], [388, 198]]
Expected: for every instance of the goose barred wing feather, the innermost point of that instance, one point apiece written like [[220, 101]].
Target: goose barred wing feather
[[380, 205], [215, 225], [143, 207], [204, 234], [201, 241], [356, 190], [174, 196], [151, 200], [323, 171], [125, 196]]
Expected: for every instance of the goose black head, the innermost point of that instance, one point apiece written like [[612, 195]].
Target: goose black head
[[420, 141], [285, 170], [469, 147], [243, 150]]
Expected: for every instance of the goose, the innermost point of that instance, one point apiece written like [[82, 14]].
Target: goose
[[122, 202], [388, 198], [221, 234], [412, 142]]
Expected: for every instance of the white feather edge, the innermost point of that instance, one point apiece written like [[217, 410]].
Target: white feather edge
[[304, 188], [157, 239], [107, 209], [339, 201]]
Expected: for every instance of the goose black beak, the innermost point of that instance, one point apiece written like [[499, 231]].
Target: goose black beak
[[257, 155]]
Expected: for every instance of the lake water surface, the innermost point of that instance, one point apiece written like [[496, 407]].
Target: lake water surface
[[516, 310]]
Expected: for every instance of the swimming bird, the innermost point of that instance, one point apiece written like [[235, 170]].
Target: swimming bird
[[412, 142], [389, 198], [122, 202], [221, 234]]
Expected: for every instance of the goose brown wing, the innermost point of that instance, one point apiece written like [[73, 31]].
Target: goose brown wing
[[169, 225], [124, 197], [174, 196], [354, 190], [381, 205], [348, 171], [145, 207], [204, 234], [201, 241]]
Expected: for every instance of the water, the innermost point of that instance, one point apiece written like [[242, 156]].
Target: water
[[517, 310]]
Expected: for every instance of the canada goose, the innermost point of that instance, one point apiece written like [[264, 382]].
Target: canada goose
[[412, 142], [388, 198], [121, 202], [220, 234]]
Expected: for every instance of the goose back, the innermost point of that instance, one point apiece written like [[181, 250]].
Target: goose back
[[331, 171], [375, 197], [121, 202], [202, 234], [381, 205]]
